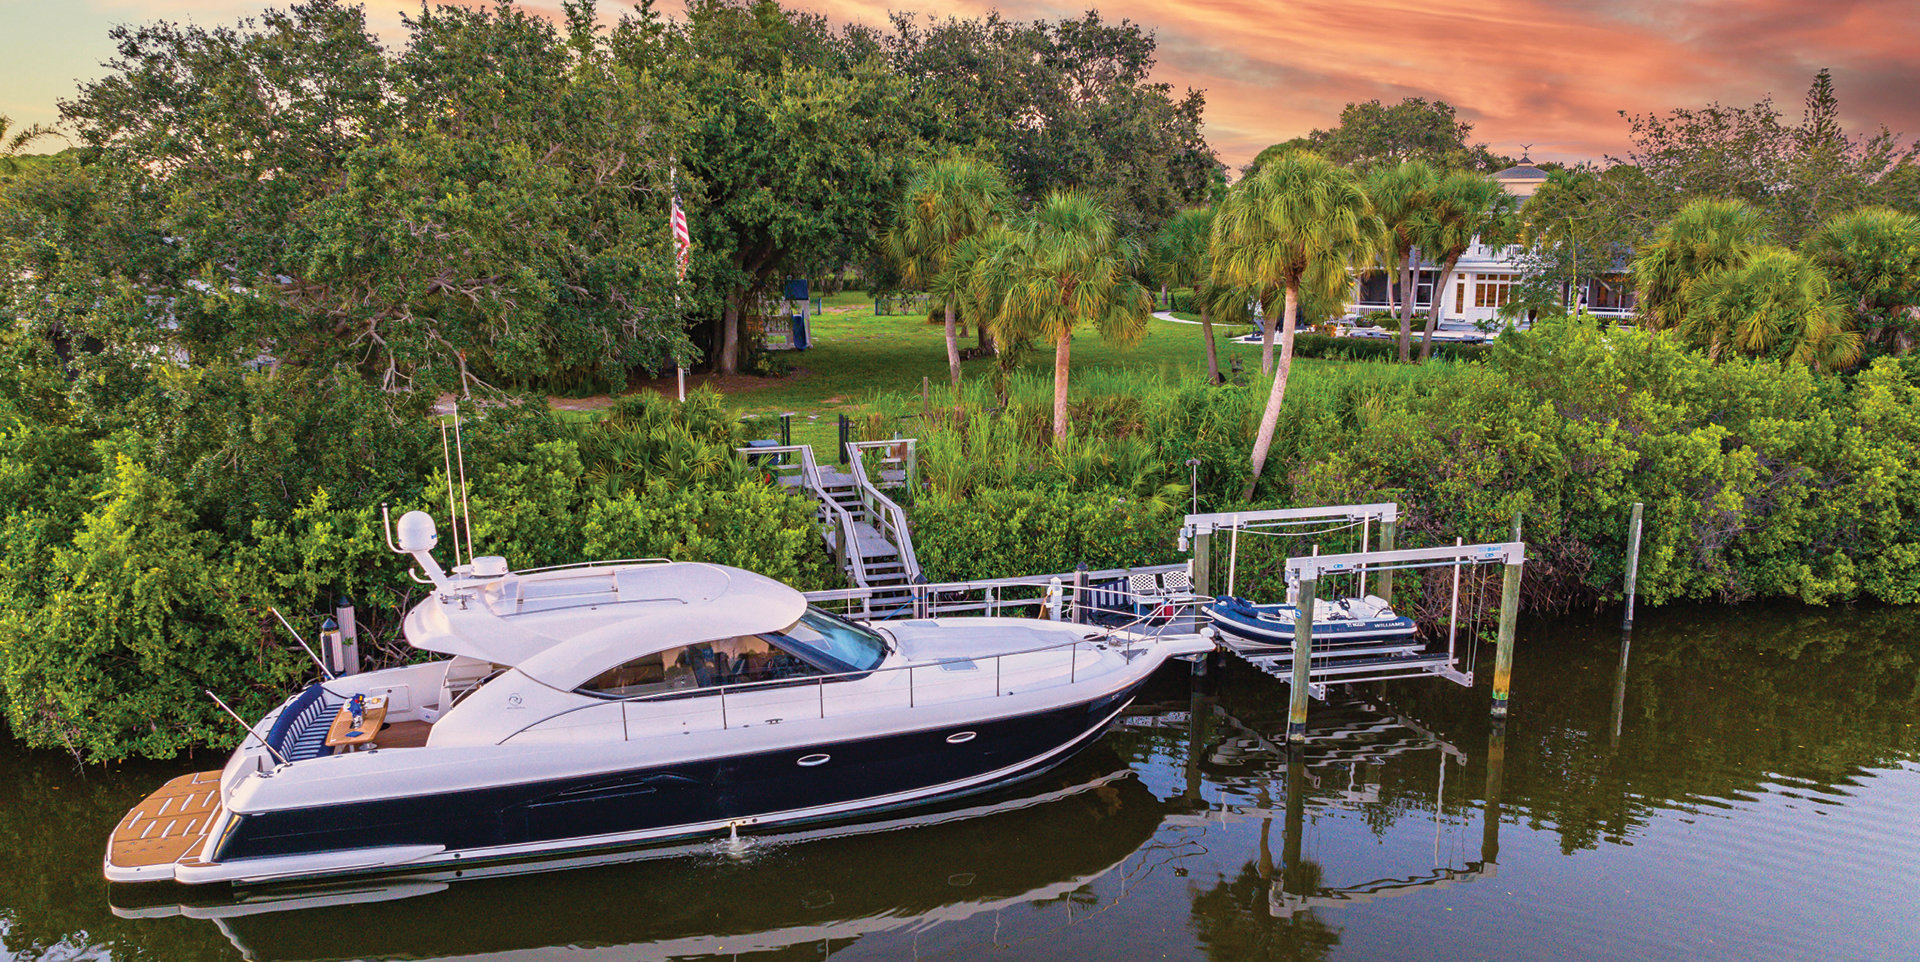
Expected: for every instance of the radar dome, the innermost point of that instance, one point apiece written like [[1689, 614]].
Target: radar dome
[[417, 532]]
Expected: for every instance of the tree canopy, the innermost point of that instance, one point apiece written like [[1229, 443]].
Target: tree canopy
[[1065, 105], [1375, 134]]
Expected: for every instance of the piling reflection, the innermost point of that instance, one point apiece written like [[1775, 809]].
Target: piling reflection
[[1279, 902]]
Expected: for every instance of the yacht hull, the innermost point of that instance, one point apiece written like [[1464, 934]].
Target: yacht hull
[[829, 780]]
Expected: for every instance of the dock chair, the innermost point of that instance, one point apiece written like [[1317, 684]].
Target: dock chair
[[1159, 596]]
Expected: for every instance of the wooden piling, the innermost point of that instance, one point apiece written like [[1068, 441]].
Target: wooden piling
[[1385, 575], [1302, 658], [1203, 562], [1633, 564], [1503, 652], [1078, 605]]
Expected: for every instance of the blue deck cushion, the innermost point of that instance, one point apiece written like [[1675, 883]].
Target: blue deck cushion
[[301, 730]]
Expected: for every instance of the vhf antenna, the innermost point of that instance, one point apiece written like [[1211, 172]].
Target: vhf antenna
[[466, 511], [453, 510]]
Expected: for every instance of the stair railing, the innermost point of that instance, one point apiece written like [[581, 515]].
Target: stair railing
[[836, 516], [883, 512]]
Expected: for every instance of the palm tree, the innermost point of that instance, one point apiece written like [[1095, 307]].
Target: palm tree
[[1065, 263], [1465, 208], [1873, 257], [1706, 237], [1400, 194], [1180, 250], [19, 140], [1300, 221], [1778, 304], [946, 203]]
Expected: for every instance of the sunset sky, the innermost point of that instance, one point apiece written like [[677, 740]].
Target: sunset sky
[[1552, 73]]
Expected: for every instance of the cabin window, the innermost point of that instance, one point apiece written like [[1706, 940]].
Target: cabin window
[[837, 641], [726, 661]]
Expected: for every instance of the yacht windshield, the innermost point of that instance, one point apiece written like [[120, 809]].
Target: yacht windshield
[[836, 640]]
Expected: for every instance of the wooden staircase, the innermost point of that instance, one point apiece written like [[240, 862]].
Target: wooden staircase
[[864, 528]]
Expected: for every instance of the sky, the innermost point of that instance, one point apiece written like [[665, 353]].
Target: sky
[[1550, 73]]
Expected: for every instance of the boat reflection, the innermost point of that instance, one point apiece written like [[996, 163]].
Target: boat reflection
[[813, 891]]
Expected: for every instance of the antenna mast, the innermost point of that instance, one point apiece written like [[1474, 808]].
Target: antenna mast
[[453, 511], [466, 512]]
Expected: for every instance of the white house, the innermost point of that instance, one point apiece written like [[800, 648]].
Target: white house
[[1484, 279]]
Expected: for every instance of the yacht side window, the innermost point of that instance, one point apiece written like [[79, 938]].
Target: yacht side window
[[726, 661]]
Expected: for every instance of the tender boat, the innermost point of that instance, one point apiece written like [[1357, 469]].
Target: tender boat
[[1335, 621], [606, 705]]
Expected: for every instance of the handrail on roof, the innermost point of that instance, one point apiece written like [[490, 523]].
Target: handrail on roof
[[596, 564], [721, 691]]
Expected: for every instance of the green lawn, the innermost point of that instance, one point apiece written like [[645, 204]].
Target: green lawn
[[856, 356]]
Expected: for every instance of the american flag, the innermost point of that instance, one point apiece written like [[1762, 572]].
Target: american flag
[[682, 238]]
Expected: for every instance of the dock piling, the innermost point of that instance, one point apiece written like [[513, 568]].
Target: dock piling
[[1503, 651], [1302, 652], [1633, 563], [1203, 562], [1384, 576]]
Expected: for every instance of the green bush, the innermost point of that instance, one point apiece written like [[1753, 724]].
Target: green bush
[[997, 532]]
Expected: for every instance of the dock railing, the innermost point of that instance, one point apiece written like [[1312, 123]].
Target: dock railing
[[1072, 596], [887, 516]]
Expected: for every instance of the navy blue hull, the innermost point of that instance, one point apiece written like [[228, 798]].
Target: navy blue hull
[[573, 812]]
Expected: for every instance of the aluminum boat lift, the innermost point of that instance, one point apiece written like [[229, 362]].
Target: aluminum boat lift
[[1310, 667]]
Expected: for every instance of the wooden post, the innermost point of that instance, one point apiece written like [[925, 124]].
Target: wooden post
[[1633, 564], [1079, 594], [1503, 651], [921, 603], [1302, 658], [1385, 575], [840, 552], [1203, 562], [913, 468]]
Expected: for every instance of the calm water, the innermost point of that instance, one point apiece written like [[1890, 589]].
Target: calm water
[[1749, 788]]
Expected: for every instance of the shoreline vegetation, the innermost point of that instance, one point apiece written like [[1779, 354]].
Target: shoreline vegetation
[[229, 329]]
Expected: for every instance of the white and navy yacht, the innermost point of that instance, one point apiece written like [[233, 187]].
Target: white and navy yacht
[[607, 705]]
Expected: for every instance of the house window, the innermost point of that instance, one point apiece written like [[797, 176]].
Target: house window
[[1460, 297], [1493, 290]]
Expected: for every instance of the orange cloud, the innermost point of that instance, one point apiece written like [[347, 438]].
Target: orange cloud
[[1551, 73]]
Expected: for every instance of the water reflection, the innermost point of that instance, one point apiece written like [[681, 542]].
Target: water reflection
[[800, 894], [1725, 785]]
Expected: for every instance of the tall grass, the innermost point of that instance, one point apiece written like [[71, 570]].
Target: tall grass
[[1131, 429]]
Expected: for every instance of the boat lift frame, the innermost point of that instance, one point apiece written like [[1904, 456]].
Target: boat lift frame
[[1197, 531], [1297, 668], [1308, 570]]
